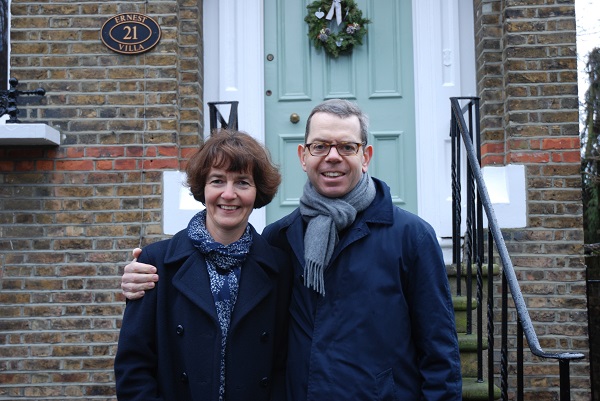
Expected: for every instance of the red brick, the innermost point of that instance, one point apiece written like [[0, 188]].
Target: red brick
[[170, 151], [125, 164], [491, 147], [567, 157], [561, 143], [75, 153], [529, 157], [25, 165], [44, 165], [6, 165], [75, 165], [104, 165], [105, 152], [160, 164]]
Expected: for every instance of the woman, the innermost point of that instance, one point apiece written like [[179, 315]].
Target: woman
[[215, 326]]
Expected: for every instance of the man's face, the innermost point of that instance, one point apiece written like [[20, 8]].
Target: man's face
[[334, 175]]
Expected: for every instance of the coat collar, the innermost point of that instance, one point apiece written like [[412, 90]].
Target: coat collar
[[192, 278], [180, 247]]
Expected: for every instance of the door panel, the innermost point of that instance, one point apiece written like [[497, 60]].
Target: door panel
[[292, 61], [340, 79], [378, 75], [385, 74], [290, 190], [389, 145]]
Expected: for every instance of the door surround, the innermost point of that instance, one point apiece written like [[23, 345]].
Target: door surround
[[234, 61]]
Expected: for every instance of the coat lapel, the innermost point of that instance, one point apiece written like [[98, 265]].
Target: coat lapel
[[193, 282], [255, 283]]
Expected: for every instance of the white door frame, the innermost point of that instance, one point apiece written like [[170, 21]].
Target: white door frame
[[234, 67]]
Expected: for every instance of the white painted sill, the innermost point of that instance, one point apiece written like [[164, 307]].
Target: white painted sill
[[28, 134]]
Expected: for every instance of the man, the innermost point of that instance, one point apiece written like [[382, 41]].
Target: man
[[371, 315]]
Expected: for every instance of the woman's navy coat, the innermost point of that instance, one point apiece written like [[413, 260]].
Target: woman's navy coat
[[169, 345]]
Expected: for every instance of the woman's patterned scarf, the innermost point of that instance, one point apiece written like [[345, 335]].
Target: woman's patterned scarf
[[223, 263]]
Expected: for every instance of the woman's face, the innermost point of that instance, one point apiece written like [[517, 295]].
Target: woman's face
[[229, 199]]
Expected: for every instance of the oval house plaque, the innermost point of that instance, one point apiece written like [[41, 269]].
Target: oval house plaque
[[130, 33]]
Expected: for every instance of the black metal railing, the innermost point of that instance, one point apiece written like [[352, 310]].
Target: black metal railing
[[465, 136], [4, 40]]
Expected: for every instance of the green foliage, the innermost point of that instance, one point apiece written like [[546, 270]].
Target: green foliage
[[590, 163], [334, 39]]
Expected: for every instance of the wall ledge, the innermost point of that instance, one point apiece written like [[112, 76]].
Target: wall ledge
[[507, 188], [28, 134]]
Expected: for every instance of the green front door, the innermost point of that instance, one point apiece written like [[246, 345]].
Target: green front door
[[378, 76]]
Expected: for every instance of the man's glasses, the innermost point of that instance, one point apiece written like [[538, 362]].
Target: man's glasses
[[321, 149]]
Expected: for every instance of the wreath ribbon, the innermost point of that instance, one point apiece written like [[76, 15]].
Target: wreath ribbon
[[336, 8]]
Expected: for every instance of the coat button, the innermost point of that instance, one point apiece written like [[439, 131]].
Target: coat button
[[264, 382], [264, 337], [184, 378], [179, 330]]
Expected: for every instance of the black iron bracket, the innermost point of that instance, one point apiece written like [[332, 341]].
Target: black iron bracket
[[217, 118], [10, 98]]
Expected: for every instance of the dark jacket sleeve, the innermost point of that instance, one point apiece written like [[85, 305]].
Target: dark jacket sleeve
[[136, 360], [433, 321]]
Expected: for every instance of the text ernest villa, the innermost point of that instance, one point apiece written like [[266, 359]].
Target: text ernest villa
[[130, 33]]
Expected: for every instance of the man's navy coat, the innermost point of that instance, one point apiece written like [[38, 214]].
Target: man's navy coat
[[385, 328]]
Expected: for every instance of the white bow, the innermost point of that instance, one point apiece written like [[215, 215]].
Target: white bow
[[336, 8]]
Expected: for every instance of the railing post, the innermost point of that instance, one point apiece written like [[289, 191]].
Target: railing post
[[216, 116], [456, 207], [4, 39], [504, 341], [565, 380], [520, 353], [490, 315]]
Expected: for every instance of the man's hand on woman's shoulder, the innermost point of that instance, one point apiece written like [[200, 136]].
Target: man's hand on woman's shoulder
[[138, 277]]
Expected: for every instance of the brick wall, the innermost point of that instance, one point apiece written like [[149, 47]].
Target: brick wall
[[526, 58], [70, 215]]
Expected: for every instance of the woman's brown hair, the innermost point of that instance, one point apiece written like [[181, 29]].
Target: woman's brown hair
[[234, 151]]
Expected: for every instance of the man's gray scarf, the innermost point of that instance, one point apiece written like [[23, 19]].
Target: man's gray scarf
[[326, 217]]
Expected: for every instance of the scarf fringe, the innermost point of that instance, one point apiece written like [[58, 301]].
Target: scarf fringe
[[313, 277]]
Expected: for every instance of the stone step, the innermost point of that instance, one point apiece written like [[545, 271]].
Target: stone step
[[451, 269], [473, 390], [451, 272], [460, 312], [467, 344]]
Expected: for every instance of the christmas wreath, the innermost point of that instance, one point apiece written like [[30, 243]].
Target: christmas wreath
[[336, 26]]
